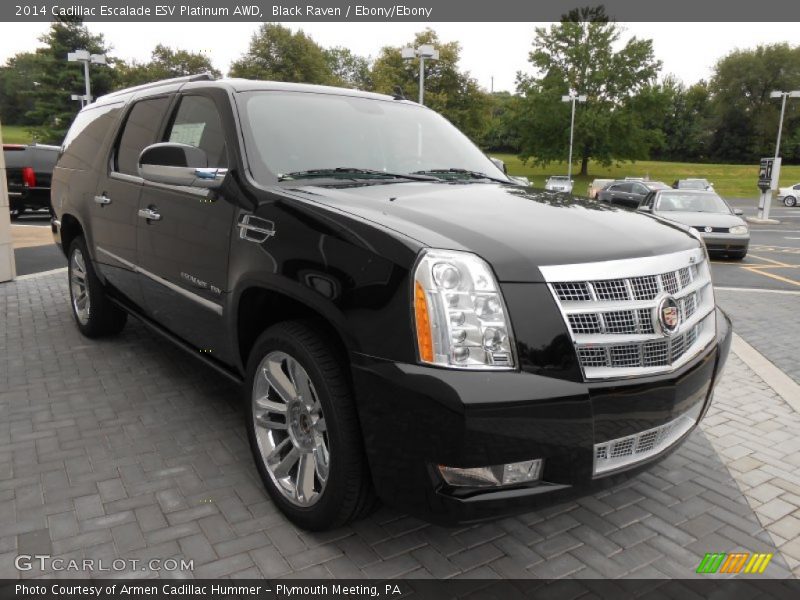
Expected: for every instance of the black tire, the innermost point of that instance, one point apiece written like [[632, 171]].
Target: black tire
[[790, 201], [103, 318], [347, 494]]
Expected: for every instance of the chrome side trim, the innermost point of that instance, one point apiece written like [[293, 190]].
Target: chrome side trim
[[213, 306]]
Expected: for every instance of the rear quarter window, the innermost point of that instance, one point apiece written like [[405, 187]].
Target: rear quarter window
[[87, 135]]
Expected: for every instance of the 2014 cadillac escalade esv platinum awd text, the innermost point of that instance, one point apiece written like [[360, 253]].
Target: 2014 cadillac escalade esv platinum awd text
[[407, 323]]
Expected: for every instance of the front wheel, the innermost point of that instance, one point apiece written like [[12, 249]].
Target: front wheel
[[94, 313], [790, 201], [303, 427]]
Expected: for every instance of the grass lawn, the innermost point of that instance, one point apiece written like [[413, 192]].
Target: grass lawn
[[16, 134], [733, 181]]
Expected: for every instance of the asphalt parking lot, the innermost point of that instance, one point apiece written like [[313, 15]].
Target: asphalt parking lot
[[127, 448]]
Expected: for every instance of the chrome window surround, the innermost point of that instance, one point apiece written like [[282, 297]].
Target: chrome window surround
[[627, 451], [609, 309]]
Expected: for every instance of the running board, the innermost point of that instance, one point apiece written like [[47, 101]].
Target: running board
[[179, 342]]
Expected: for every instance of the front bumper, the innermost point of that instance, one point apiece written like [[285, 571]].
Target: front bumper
[[414, 418], [725, 242]]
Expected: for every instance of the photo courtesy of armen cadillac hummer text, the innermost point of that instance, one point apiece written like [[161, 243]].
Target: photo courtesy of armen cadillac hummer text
[[406, 322]]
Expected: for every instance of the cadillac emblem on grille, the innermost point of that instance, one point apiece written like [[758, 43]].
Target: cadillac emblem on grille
[[668, 315]]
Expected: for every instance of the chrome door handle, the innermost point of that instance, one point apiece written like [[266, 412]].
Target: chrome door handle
[[102, 200], [149, 214]]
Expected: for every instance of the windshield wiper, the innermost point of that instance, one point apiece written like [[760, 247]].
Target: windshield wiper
[[457, 171], [352, 173]]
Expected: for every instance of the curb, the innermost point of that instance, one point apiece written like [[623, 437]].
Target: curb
[[40, 274], [780, 382]]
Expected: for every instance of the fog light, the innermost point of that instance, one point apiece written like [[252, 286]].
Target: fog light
[[493, 476]]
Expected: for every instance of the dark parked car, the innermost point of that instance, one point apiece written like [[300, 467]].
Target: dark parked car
[[720, 226], [629, 194], [404, 320], [28, 173]]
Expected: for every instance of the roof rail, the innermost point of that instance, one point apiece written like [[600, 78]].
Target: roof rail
[[206, 76]]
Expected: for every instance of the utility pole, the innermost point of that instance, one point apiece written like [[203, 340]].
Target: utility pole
[[571, 97]]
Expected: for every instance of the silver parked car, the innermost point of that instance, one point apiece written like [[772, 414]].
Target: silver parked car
[[720, 226], [559, 183]]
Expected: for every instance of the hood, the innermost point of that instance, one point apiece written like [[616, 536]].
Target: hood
[[515, 229], [698, 220]]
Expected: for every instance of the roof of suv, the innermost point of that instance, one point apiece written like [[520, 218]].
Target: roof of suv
[[239, 85]]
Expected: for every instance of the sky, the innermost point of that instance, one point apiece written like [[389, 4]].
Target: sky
[[491, 52]]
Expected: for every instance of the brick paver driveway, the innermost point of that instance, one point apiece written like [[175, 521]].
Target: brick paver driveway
[[128, 448]]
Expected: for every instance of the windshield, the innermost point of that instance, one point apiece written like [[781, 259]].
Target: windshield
[[693, 184], [710, 203], [298, 135]]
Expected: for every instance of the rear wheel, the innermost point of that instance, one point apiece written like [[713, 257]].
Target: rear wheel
[[790, 201], [94, 313], [303, 428]]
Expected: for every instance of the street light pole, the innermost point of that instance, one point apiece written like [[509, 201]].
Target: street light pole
[[85, 57], [766, 199], [571, 97], [423, 52]]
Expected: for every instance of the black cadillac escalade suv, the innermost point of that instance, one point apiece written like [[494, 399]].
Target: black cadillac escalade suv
[[406, 321]]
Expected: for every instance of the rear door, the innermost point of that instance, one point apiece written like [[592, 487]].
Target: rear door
[[113, 212], [184, 253]]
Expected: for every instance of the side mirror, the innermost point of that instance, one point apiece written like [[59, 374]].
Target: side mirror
[[645, 209], [499, 164], [179, 164], [738, 212]]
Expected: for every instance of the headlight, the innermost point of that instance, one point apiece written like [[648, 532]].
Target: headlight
[[460, 316], [738, 229]]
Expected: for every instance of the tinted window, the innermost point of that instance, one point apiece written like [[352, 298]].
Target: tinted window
[[797, 187], [141, 130], [197, 123], [638, 188], [87, 134]]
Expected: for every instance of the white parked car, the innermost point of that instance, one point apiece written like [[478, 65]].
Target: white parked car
[[789, 195], [559, 183]]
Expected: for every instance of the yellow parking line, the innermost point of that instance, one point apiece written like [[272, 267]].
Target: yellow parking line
[[776, 262], [772, 275]]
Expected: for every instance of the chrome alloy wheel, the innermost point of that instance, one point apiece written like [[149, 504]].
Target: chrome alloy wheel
[[79, 287], [290, 429]]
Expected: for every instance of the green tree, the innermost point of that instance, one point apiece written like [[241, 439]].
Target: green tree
[[277, 54], [349, 69], [53, 109], [164, 63], [447, 89], [579, 54], [501, 133], [745, 117]]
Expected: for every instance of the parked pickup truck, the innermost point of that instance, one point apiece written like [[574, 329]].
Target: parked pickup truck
[[405, 321], [29, 170]]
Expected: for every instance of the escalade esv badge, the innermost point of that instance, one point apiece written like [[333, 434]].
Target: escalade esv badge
[[667, 315]]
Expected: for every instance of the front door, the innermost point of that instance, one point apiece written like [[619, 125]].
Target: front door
[[183, 252], [113, 213]]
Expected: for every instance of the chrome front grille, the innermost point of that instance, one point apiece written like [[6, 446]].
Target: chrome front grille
[[626, 451], [610, 309]]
